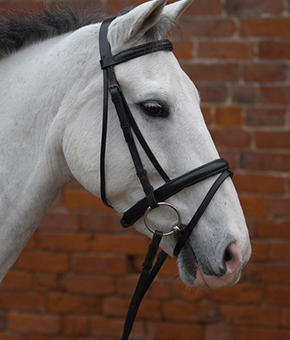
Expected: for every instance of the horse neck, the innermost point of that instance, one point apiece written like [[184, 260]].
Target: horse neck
[[34, 83]]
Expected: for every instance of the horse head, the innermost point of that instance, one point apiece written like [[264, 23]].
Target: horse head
[[166, 107]]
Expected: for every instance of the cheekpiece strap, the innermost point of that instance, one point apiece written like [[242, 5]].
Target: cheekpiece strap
[[108, 61]]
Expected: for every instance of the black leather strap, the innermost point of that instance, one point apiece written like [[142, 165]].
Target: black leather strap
[[126, 119], [173, 187], [104, 51], [204, 204], [147, 276], [152, 197], [135, 52]]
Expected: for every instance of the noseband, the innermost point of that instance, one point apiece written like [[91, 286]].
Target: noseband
[[153, 197]]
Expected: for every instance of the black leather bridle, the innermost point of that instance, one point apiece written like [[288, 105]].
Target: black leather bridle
[[153, 197]]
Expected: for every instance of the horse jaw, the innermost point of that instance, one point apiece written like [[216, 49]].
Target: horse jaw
[[181, 142]]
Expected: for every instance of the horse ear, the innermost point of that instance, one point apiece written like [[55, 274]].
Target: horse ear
[[174, 10], [131, 26]]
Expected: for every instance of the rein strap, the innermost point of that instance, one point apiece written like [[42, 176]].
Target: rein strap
[[152, 197]]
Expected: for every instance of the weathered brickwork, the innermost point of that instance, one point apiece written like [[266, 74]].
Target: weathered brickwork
[[75, 277]]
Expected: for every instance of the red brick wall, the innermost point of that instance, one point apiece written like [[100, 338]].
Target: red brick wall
[[75, 277]]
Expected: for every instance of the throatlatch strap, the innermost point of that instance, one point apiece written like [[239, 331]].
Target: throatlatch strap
[[147, 276]]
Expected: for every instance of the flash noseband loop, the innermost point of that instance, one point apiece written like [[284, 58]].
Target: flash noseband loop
[[175, 230]]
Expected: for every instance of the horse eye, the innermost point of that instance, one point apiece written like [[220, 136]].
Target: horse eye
[[154, 109]]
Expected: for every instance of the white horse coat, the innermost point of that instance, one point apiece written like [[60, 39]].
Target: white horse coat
[[50, 110]]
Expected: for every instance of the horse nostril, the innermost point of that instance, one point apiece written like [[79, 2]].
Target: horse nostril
[[227, 255]]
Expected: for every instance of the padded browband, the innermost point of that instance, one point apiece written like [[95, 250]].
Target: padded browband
[[173, 187], [135, 52]]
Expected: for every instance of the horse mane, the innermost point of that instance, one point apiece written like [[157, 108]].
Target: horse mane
[[20, 28]]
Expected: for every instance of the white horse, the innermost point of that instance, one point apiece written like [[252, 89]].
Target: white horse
[[51, 92]]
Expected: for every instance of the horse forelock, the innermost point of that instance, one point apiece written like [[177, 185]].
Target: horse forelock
[[21, 28]]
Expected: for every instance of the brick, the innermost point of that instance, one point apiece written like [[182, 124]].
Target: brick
[[105, 264], [208, 28], [45, 337], [31, 302], [16, 280], [188, 312], [273, 229], [36, 260], [280, 251], [183, 49], [32, 323], [1, 320], [280, 207], [107, 222], [171, 331], [276, 95], [28, 6], [273, 140], [250, 315], [245, 94], [229, 116], [75, 325], [253, 8], [31, 243], [278, 295], [73, 304], [241, 293], [89, 284], [212, 93], [168, 269], [7, 336], [59, 221], [286, 317], [212, 7], [116, 307], [103, 328], [207, 114], [252, 225], [115, 6], [230, 156], [269, 273], [234, 138], [258, 183], [124, 244], [160, 288], [63, 241], [254, 205], [263, 72], [265, 27], [265, 117], [185, 293], [225, 50], [82, 200], [265, 161], [274, 50], [212, 72], [261, 334], [218, 332], [46, 282], [259, 251]]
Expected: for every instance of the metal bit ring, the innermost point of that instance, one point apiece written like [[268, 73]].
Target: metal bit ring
[[175, 229]]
